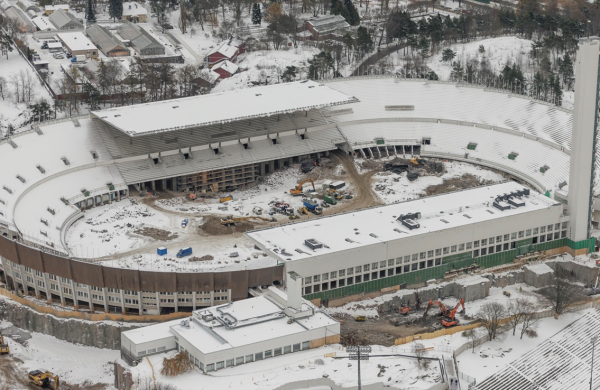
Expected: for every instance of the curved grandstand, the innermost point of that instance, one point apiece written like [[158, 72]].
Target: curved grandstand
[[222, 142]]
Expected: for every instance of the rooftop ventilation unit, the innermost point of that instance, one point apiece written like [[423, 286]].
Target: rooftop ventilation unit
[[501, 205], [7, 189], [21, 178], [41, 168], [65, 160], [516, 202], [208, 317], [313, 244], [402, 217], [411, 224], [94, 154]]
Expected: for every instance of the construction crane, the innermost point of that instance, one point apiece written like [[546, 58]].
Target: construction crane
[[4, 349], [449, 316], [230, 221], [44, 379], [298, 190]]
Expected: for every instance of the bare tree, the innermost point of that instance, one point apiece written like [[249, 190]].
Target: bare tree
[[529, 324], [491, 314], [561, 293], [3, 88], [516, 310], [15, 83], [471, 335], [420, 352]]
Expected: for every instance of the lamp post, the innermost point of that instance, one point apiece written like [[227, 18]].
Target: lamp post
[[358, 353]]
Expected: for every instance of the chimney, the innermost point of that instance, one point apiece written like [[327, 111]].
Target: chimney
[[294, 290]]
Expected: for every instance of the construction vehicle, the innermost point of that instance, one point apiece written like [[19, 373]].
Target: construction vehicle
[[303, 210], [292, 217], [360, 318], [185, 222], [404, 309], [226, 199], [298, 190], [313, 207], [333, 193], [449, 316], [184, 252], [433, 303], [192, 196], [230, 221], [329, 199], [4, 349], [507, 293], [416, 160], [44, 379]]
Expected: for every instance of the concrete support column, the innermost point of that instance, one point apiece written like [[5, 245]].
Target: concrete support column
[[91, 302], [118, 196], [176, 301], [158, 302], [123, 310], [262, 168], [47, 285], [194, 300], [75, 300], [271, 166], [105, 299], [174, 184], [212, 298], [164, 184], [153, 185], [60, 291], [140, 307]]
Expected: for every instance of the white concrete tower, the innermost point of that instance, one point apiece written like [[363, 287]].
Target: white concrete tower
[[584, 136]]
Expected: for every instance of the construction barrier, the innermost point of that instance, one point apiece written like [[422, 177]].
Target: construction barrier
[[437, 333], [80, 315]]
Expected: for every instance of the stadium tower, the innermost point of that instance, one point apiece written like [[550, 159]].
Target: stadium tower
[[584, 138]]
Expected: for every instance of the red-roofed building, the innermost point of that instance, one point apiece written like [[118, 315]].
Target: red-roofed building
[[227, 50], [225, 69]]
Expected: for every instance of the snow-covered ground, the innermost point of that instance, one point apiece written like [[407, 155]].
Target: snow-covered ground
[[11, 112], [73, 363]]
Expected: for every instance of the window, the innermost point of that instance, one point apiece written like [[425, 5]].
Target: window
[[476, 244], [390, 262], [421, 265], [333, 275], [549, 237], [535, 231], [258, 356], [549, 228], [29, 279], [317, 278], [398, 260], [453, 248], [306, 345], [491, 250], [476, 253], [498, 238], [406, 268], [358, 269], [422, 255], [438, 261], [325, 277], [499, 248], [528, 232], [407, 259], [367, 267], [141, 353], [484, 242], [374, 266], [446, 250], [229, 363], [342, 273], [249, 358], [483, 251], [543, 229], [51, 277], [287, 349], [429, 263], [40, 283], [65, 280], [210, 367], [513, 236], [54, 286], [414, 266], [469, 245], [268, 354], [461, 247], [415, 257], [429, 253], [296, 347], [506, 237], [438, 252], [491, 240], [82, 294], [67, 290], [277, 351], [564, 225], [350, 271], [521, 234], [382, 264], [308, 280]]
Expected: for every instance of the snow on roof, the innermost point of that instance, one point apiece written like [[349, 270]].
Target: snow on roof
[[55, 45], [43, 23], [147, 334], [379, 224], [539, 269], [61, 18], [133, 9], [57, 6], [204, 110], [76, 41], [227, 66], [255, 320], [225, 48], [328, 23]]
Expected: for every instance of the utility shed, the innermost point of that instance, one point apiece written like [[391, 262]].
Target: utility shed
[[141, 40], [108, 44], [272, 324], [65, 21]]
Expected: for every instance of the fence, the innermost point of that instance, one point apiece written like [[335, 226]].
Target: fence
[[308, 383], [91, 316]]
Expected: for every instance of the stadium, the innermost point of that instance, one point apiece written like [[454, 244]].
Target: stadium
[[55, 171]]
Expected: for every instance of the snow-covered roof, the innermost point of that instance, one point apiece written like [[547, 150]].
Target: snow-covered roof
[[61, 18], [257, 319], [328, 23], [223, 107], [376, 225], [227, 66], [76, 41], [43, 23], [132, 8], [226, 48], [103, 38], [209, 75], [57, 6]]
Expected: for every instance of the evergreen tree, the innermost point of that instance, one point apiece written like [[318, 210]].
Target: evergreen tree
[[115, 9], [289, 74], [448, 55], [352, 12], [457, 72], [557, 91], [567, 70], [91, 14], [256, 14], [364, 40], [339, 9]]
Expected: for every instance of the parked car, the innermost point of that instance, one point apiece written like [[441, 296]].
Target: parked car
[[69, 55], [58, 56], [167, 26]]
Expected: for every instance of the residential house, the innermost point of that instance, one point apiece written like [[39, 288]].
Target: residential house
[[228, 50], [49, 9], [134, 12], [225, 69]]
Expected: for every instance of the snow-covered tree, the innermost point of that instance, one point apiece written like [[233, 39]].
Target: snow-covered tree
[[256, 14], [115, 9], [90, 13]]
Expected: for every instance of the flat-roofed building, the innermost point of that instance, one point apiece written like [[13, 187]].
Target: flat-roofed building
[[78, 44]]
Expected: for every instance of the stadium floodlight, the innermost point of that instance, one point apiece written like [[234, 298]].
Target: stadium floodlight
[[358, 352]]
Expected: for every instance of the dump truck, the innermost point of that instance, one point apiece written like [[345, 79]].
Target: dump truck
[[45, 380], [312, 206], [184, 252], [4, 349], [226, 199], [329, 199], [79, 58]]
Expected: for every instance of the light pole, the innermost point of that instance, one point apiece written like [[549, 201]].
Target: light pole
[[594, 339], [358, 353]]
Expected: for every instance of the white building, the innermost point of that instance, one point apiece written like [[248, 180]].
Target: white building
[[417, 240], [78, 44], [272, 324]]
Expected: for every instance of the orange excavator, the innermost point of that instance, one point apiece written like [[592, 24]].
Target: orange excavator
[[449, 315], [298, 190]]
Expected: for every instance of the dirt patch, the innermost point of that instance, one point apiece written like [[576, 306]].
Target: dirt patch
[[157, 234], [203, 258], [212, 225], [455, 184]]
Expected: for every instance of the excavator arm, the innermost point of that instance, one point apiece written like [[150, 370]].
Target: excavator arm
[[434, 303], [298, 189]]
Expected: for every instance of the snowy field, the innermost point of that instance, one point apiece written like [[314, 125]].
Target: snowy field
[[73, 363], [10, 111]]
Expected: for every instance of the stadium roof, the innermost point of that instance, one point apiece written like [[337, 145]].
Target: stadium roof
[[197, 111], [379, 224]]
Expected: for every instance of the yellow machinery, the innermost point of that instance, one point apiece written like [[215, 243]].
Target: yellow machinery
[[416, 160], [226, 199], [298, 190], [292, 217], [4, 349], [230, 221], [303, 210], [360, 318], [44, 379], [333, 192]]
